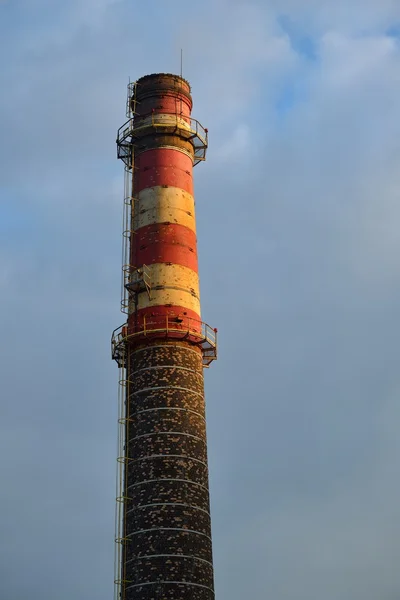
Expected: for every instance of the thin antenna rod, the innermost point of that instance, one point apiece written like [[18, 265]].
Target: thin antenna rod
[[181, 61]]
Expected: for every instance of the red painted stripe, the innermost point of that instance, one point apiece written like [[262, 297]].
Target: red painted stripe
[[164, 166], [155, 317], [165, 243], [172, 104]]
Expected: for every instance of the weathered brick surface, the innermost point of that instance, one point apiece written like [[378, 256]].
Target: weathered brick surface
[[166, 443], [161, 541], [171, 467], [168, 354], [172, 398], [165, 419], [167, 490], [167, 515], [165, 375], [170, 591], [167, 522], [169, 568]]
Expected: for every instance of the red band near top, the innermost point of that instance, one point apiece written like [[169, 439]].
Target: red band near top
[[164, 167], [170, 104]]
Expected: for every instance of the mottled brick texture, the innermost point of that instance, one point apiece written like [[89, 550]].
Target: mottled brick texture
[[168, 551]]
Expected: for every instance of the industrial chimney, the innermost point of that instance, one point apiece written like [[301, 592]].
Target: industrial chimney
[[163, 529]]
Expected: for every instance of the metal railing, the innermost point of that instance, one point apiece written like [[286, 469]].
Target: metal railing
[[188, 128], [185, 328], [136, 280]]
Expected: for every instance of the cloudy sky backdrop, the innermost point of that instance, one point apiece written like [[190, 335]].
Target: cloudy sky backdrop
[[298, 211]]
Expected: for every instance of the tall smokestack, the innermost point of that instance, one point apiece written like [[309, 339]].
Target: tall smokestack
[[163, 512]]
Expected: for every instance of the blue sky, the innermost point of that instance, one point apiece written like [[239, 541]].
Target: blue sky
[[299, 244]]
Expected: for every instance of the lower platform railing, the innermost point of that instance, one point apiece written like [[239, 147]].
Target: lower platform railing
[[195, 332]]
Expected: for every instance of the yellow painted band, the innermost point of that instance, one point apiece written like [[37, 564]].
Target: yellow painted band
[[164, 204], [177, 285]]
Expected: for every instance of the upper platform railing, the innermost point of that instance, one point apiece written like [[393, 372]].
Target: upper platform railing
[[186, 127]]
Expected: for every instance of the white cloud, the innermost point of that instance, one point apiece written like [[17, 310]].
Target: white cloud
[[236, 147], [350, 62]]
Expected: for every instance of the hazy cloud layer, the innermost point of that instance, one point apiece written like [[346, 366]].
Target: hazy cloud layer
[[298, 212]]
